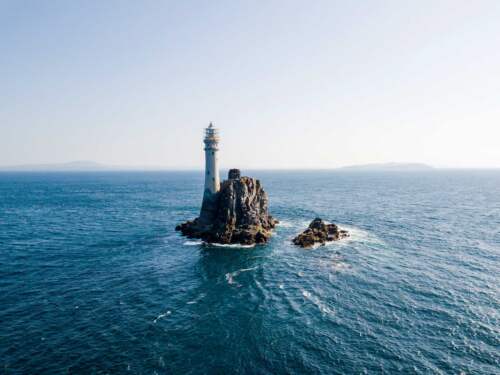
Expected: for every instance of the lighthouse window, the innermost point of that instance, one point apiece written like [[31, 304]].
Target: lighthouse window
[[208, 173], [213, 153]]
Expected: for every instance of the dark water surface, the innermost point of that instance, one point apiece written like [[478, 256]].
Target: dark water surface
[[94, 279]]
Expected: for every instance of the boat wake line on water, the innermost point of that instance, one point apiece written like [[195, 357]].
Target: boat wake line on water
[[231, 275]]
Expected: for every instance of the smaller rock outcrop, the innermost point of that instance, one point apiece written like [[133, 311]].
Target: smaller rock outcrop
[[319, 232]]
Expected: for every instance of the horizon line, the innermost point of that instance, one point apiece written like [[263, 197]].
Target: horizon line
[[92, 166]]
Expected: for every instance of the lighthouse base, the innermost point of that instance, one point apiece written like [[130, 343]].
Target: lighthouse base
[[209, 208]]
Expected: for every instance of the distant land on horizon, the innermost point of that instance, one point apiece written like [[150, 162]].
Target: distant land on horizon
[[73, 166], [91, 166], [79, 166], [386, 167], [70, 166]]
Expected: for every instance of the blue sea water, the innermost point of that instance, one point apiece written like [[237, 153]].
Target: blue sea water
[[94, 279]]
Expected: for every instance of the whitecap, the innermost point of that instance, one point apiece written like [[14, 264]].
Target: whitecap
[[285, 224], [317, 302], [304, 224], [197, 299], [161, 361], [340, 266], [193, 243], [200, 242], [360, 235], [335, 262], [162, 316], [231, 245]]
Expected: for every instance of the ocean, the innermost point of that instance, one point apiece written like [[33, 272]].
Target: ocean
[[95, 280]]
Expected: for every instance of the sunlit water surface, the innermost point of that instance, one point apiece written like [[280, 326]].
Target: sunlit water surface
[[94, 279]]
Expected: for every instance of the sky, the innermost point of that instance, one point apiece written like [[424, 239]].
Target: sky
[[290, 84]]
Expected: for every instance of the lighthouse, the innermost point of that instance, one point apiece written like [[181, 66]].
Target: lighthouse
[[212, 180]]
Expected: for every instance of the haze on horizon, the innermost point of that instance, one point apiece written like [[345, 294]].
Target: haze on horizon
[[290, 84]]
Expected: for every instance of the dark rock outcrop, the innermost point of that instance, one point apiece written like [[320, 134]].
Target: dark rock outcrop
[[319, 232], [234, 174], [237, 214]]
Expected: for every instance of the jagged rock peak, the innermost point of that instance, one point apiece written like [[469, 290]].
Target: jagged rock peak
[[233, 174]]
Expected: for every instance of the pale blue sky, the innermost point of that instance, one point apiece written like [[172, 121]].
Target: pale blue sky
[[290, 84]]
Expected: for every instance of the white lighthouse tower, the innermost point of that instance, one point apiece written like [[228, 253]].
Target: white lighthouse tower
[[212, 180]]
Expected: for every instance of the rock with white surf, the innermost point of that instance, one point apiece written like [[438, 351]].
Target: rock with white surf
[[319, 232]]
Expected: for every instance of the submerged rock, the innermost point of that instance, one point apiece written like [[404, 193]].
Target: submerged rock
[[319, 232], [236, 214]]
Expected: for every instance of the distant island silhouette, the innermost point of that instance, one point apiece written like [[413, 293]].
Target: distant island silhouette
[[76, 166], [382, 167]]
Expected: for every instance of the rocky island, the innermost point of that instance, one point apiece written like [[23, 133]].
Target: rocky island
[[236, 214], [319, 232], [232, 212]]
